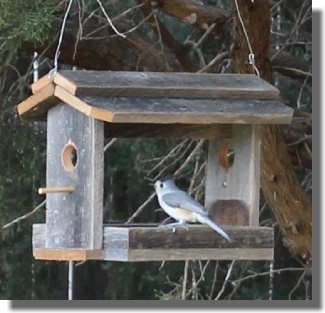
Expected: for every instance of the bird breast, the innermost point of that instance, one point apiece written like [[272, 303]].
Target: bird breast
[[179, 213]]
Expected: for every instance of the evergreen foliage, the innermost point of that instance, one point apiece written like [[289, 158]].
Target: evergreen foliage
[[25, 20]]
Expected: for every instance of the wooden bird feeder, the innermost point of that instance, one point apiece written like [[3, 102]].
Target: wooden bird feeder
[[83, 107]]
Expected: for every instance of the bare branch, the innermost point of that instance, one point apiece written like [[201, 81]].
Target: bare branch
[[225, 281], [203, 270], [185, 279], [217, 58], [300, 280], [214, 281], [109, 20], [277, 271], [171, 154], [140, 208], [110, 144], [20, 218], [189, 158]]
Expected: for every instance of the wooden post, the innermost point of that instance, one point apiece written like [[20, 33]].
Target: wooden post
[[233, 177], [74, 159]]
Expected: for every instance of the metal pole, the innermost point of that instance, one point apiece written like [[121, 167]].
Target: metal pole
[[35, 67], [70, 280]]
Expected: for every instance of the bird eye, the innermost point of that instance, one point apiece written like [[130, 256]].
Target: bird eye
[[161, 185]]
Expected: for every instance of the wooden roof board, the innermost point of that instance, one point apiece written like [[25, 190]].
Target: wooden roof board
[[36, 106], [170, 85], [41, 83], [159, 111], [241, 103], [184, 111]]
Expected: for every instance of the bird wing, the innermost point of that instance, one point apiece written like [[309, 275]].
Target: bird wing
[[181, 199]]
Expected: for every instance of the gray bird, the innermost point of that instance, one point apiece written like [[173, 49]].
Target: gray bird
[[183, 208]]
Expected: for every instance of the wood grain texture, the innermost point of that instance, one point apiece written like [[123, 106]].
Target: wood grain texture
[[200, 242], [184, 111], [171, 111], [67, 254], [198, 237], [171, 85], [140, 243], [232, 194], [162, 98], [146, 255], [36, 106], [194, 111], [74, 219], [40, 84]]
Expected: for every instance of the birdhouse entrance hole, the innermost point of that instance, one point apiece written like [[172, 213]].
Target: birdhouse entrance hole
[[69, 156], [226, 156]]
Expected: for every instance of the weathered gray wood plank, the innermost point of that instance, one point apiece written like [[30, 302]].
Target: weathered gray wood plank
[[197, 254], [39, 236], [173, 85], [200, 242], [134, 243], [74, 219], [185, 111], [232, 194], [198, 237]]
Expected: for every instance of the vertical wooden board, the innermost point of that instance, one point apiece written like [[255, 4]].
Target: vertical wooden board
[[74, 220], [39, 237], [232, 194], [116, 244]]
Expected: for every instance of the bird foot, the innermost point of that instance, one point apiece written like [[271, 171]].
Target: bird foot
[[173, 226]]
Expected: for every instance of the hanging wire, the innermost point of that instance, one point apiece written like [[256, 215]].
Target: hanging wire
[[58, 47], [277, 47], [251, 56], [57, 52]]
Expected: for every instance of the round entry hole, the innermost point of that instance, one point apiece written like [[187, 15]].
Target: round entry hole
[[226, 156], [69, 156]]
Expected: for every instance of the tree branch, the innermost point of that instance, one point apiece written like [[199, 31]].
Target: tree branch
[[20, 218], [292, 67], [169, 40], [193, 13]]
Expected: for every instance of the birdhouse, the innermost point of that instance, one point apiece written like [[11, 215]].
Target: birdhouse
[[83, 107]]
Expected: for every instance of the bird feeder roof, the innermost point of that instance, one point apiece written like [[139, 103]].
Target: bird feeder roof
[[159, 98]]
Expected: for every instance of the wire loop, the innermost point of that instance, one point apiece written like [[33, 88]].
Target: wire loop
[[251, 56]]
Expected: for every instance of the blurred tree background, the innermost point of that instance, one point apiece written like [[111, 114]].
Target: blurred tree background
[[161, 35]]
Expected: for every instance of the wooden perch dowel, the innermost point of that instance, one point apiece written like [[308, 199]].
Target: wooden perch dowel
[[43, 191]]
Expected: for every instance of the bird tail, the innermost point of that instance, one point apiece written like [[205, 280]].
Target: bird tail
[[208, 221]]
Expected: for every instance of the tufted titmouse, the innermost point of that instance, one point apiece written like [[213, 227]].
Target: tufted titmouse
[[183, 208]]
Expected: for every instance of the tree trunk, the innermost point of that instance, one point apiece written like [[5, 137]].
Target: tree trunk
[[288, 200]]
